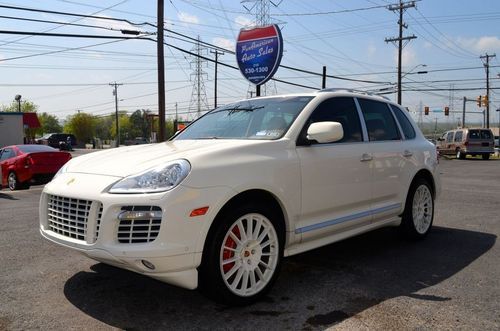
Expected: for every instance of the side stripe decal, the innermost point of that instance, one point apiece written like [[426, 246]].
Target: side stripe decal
[[346, 218]]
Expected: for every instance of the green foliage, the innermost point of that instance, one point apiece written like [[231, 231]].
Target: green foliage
[[50, 123], [26, 107], [103, 127], [82, 125]]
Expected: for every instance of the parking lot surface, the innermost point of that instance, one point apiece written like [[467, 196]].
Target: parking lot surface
[[451, 280]]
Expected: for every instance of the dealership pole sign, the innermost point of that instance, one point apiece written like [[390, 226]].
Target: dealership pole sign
[[258, 53]]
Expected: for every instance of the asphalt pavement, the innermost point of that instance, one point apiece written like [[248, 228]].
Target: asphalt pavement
[[378, 281]]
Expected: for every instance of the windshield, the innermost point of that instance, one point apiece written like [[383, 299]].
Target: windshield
[[265, 119]]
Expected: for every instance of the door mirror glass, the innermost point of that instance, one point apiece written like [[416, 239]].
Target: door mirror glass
[[325, 132]]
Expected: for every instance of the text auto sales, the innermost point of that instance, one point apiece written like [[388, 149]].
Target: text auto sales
[[264, 49]]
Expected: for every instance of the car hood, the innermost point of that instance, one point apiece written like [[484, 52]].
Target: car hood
[[126, 161]]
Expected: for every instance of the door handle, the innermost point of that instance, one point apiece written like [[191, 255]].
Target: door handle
[[407, 153], [366, 157]]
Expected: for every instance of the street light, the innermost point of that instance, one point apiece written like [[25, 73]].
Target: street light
[[18, 99]]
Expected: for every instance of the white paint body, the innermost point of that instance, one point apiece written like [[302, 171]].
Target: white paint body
[[327, 192]]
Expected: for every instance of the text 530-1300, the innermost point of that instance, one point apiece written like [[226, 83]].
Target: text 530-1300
[[256, 70]]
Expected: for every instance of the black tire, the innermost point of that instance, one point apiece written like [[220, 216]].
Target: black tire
[[412, 225], [460, 155], [211, 282], [486, 156]]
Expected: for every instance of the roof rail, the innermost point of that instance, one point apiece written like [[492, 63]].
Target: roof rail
[[335, 89]]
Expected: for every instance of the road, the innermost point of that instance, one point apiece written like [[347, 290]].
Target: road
[[377, 281]]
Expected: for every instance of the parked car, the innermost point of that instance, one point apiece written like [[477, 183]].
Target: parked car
[[55, 139], [23, 165], [221, 204], [463, 142]]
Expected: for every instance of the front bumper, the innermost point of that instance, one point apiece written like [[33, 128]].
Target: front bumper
[[176, 250]]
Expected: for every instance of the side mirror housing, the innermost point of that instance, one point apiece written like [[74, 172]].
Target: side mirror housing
[[325, 132]]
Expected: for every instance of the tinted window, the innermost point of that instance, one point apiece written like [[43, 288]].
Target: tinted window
[[379, 121], [342, 110], [458, 136], [7, 154], [36, 148], [404, 122], [486, 134], [449, 137], [474, 134]]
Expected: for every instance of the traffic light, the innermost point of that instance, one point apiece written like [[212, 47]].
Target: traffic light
[[446, 111], [479, 98], [426, 110], [485, 101]]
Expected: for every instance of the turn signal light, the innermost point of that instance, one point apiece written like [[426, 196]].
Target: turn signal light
[[199, 212]]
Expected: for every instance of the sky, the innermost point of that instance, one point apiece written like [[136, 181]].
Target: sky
[[348, 37]]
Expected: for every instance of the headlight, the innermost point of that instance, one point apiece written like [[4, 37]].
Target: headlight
[[158, 179]]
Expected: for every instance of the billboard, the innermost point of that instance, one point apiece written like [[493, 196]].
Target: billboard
[[258, 53]]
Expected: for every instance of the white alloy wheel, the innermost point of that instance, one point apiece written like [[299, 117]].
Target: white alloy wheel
[[249, 254], [422, 209]]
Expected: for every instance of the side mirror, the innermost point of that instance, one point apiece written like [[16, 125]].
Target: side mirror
[[440, 139], [325, 132]]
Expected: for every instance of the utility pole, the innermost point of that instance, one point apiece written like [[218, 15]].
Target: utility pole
[[401, 7], [323, 81], [161, 72], [463, 112], [487, 66], [115, 93], [176, 122], [217, 53]]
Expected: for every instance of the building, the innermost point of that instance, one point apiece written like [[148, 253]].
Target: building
[[12, 125]]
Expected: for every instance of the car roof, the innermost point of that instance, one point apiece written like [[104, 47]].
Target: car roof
[[333, 92]]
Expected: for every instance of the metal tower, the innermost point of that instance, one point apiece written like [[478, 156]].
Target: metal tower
[[199, 101]]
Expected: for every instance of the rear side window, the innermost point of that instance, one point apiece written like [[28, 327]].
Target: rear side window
[[7, 154], [342, 110], [379, 120], [458, 136], [404, 122], [449, 137]]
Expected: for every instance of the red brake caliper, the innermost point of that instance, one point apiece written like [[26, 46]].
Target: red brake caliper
[[227, 254]]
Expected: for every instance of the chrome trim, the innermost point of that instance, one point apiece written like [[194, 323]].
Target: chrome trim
[[346, 218]]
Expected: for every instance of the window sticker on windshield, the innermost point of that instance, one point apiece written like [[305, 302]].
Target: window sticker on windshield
[[270, 133]]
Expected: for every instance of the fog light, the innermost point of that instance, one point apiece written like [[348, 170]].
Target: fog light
[[148, 264]]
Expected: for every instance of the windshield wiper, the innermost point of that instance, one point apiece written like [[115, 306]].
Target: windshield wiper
[[238, 108]]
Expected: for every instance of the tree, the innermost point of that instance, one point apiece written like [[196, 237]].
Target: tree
[[140, 123], [125, 128], [82, 125], [103, 127], [26, 107], [50, 123]]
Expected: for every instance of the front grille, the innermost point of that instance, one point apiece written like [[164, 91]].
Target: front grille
[[139, 230], [98, 221], [68, 216]]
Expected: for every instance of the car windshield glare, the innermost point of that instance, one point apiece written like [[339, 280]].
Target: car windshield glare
[[262, 119]]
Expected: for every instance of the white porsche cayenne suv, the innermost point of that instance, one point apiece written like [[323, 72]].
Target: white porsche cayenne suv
[[218, 206]]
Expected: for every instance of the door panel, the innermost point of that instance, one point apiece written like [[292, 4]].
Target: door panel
[[336, 177], [335, 189]]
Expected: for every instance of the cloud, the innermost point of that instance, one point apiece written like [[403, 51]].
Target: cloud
[[409, 57], [224, 43], [371, 50], [482, 44], [188, 18], [243, 21], [427, 45]]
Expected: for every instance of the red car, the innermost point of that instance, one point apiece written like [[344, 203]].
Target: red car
[[23, 165]]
